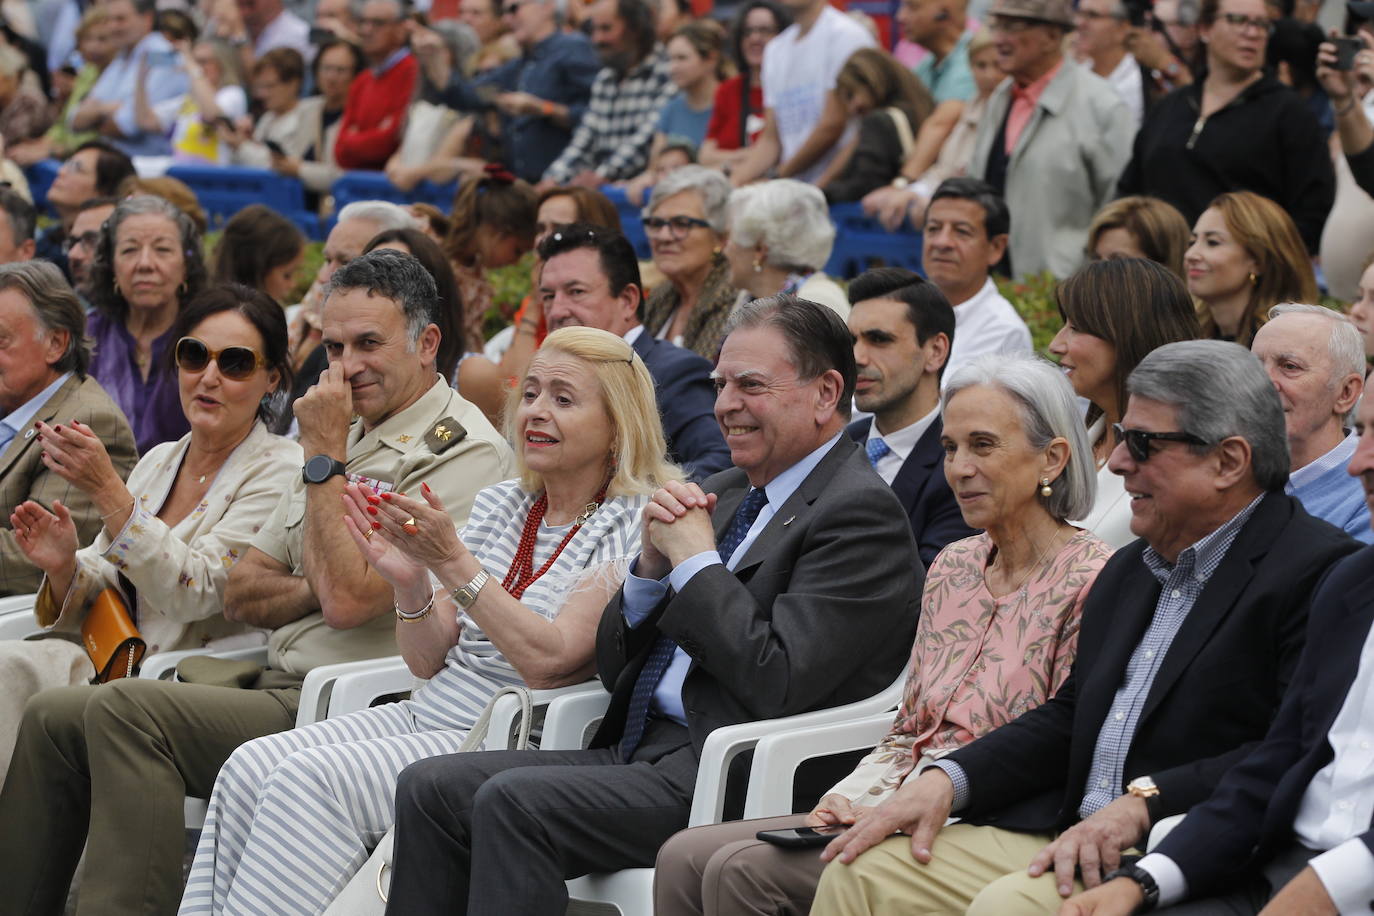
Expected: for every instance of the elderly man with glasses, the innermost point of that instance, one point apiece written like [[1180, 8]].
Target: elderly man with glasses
[[375, 113], [1189, 638]]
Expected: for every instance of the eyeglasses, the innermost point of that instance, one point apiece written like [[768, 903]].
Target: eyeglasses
[[510, 9], [1240, 21], [750, 31], [1138, 440], [237, 363], [89, 239], [678, 226]]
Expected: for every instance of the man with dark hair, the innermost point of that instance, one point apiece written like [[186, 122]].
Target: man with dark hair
[[591, 279], [903, 330], [112, 772], [44, 355], [541, 96], [612, 140], [81, 243], [94, 170], [16, 228], [965, 237], [787, 583], [145, 57], [1189, 637]]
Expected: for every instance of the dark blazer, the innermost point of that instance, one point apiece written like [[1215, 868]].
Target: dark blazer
[[23, 475], [1250, 816], [687, 403], [925, 494], [1215, 695], [819, 612]]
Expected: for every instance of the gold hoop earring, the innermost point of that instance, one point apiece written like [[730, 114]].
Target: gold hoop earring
[[1045, 489]]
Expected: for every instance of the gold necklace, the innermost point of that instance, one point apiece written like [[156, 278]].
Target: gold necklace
[[1025, 580]]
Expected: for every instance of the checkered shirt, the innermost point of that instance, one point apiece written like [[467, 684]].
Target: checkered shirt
[[614, 135]]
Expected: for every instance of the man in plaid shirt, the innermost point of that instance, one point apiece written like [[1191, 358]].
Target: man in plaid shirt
[[612, 141]]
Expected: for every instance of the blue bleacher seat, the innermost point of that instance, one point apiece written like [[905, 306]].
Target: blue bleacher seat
[[631, 222], [225, 190], [356, 186], [40, 176], [861, 243]]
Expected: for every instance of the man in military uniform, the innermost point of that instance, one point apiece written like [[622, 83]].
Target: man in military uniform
[[126, 753]]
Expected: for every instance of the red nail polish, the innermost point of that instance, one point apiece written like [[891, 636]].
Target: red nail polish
[[58, 427], [371, 510], [37, 424], [386, 496], [425, 487], [372, 500], [376, 526]]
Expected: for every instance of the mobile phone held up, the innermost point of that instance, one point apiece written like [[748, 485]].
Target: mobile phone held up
[[1346, 49], [802, 837]]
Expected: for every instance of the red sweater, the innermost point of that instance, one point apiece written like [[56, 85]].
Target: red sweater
[[374, 116]]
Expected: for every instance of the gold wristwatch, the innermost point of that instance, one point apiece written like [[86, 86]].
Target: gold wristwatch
[[1142, 787]]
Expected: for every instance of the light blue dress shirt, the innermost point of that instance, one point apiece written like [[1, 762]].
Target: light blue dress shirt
[[643, 595], [118, 82], [14, 424]]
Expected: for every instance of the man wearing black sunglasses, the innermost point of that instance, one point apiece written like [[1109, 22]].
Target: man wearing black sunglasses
[[1188, 640]]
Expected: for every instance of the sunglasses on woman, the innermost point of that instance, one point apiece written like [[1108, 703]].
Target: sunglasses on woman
[[237, 363], [1138, 440]]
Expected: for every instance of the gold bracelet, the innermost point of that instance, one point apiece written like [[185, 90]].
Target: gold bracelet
[[415, 616], [128, 508]]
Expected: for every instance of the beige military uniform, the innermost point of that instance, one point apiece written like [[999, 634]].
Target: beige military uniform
[[441, 440]]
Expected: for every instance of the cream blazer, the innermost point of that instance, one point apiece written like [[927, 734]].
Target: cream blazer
[[179, 571]]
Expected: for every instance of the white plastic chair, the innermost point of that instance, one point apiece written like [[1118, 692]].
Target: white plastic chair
[[630, 891], [16, 617], [1161, 829], [163, 665]]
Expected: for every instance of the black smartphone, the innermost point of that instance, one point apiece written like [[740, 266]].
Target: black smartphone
[[801, 837], [1346, 49], [319, 36], [274, 147]]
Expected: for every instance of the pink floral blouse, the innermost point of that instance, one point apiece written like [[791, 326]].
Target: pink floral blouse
[[979, 661]]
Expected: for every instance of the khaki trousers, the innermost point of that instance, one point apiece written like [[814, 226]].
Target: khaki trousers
[[115, 762], [980, 871]]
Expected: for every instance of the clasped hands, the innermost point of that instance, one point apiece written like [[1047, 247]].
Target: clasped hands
[[401, 537], [677, 525]]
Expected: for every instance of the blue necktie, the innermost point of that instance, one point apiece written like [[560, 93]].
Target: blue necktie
[[876, 449], [662, 653]]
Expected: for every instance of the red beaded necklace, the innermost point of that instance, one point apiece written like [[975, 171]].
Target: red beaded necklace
[[522, 573]]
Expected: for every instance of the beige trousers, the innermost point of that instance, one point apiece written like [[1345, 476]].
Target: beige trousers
[[980, 871]]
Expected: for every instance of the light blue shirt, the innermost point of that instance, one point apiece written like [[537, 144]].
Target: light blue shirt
[[951, 78], [14, 424], [118, 82], [641, 596]]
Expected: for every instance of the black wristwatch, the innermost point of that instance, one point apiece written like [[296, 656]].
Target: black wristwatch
[[1140, 876], [320, 468]]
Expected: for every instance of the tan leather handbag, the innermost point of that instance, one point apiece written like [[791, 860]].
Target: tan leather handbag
[[110, 637]]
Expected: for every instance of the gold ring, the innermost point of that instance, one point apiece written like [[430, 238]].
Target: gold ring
[[410, 523]]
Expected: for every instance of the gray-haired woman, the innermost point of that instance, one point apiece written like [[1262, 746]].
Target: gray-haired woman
[[686, 225], [780, 238], [997, 635]]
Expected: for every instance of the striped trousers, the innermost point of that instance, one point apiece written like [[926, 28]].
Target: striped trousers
[[294, 815]]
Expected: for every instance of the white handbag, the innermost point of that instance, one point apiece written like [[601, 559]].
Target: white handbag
[[365, 894]]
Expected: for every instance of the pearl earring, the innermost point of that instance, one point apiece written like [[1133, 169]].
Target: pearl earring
[[1045, 489]]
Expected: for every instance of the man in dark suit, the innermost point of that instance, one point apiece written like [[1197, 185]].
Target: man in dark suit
[[1188, 639], [903, 328], [1291, 828], [591, 278], [785, 584]]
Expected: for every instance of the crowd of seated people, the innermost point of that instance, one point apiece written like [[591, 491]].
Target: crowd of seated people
[[1110, 546]]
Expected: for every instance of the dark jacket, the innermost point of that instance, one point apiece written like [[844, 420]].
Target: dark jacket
[[1250, 816], [820, 611], [1215, 695], [686, 402], [925, 494], [1265, 141]]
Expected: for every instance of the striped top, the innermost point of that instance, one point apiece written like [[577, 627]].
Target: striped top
[[474, 668]]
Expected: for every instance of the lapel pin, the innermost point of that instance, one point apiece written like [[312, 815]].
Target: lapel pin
[[790, 520], [28, 434]]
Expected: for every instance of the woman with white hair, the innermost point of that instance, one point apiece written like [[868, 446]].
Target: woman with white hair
[[997, 635], [685, 222], [780, 238]]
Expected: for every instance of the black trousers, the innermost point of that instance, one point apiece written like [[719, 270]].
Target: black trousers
[[499, 832]]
